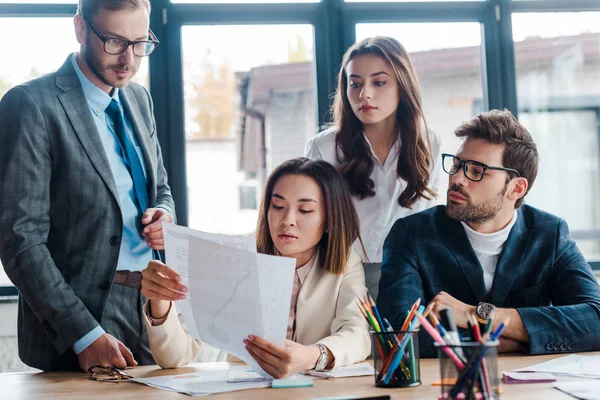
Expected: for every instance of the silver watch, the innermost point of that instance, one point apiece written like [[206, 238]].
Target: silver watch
[[322, 361]]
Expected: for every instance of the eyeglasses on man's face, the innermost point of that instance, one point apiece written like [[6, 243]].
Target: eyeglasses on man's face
[[107, 374], [473, 170], [115, 46]]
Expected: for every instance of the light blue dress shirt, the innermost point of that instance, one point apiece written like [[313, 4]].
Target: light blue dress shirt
[[134, 253]]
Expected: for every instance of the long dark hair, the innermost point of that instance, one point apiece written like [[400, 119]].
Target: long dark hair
[[341, 219], [353, 153]]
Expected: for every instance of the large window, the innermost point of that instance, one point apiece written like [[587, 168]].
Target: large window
[[255, 72], [31, 57], [25, 65], [244, 1], [447, 57], [248, 108], [558, 87]]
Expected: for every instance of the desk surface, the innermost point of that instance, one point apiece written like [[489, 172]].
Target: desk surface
[[73, 385]]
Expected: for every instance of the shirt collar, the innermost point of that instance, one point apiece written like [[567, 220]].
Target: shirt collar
[[393, 151], [489, 239], [305, 269], [96, 97]]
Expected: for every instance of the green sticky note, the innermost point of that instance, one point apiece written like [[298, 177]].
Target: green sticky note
[[293, 381]]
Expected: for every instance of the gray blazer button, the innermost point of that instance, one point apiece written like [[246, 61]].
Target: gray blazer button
[[105, 285], [556, 346], [564, 347], [571, 346], [115, 240], [549, 346]]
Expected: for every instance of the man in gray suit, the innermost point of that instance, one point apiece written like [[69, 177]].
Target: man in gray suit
[[83, 192]]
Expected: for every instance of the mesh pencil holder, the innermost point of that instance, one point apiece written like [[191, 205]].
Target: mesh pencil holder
[[396, 358], [477, 379]]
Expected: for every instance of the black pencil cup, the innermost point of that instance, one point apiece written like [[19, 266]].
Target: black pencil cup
[[392, 368]]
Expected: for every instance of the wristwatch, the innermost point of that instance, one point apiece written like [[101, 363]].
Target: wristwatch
[[323, 359], [484, 311]]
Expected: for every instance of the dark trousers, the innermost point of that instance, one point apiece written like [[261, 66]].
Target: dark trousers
[[122, 318]]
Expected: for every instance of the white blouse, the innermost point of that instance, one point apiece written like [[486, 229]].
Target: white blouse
[[377, 214]]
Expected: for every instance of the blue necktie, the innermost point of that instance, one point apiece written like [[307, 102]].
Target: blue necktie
[[130, 156]]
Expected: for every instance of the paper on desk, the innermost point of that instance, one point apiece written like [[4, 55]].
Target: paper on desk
[[571, 365], [244, 374], [200, 383], [361, 369], [584, 390], [527, 377]]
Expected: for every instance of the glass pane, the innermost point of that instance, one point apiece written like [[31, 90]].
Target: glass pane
[[32, 64], [248, 108], [243, 1], [3, 278], [39, 2], [447, 57], [402, 1], [558, 68]]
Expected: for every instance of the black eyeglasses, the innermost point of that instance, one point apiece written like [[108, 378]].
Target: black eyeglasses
[[474, 170], [115, 46]]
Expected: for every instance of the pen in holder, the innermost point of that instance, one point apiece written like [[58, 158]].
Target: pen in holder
[[478, 379], [396, 358]]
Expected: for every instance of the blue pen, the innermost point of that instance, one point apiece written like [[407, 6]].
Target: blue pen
[[496, 334], [443, 331]]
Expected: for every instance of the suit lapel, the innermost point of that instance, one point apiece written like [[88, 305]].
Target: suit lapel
[[78, 111], [132, 110], [305, 311], [509, 262], [458, 244]]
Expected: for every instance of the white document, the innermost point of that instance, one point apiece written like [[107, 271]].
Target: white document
[[177, 258], [571, 365], [233, 291], [200, 383], [361, 369], [585, 390], [244, 374]]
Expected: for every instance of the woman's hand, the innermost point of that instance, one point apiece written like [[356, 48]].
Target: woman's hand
[[160, 284], [281, 362]]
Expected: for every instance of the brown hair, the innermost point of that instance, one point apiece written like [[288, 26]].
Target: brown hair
[[501, 127], [415, 156], [341, 219], [89, 8]]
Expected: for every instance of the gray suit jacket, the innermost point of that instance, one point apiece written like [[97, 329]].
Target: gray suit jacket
[[60, 220]]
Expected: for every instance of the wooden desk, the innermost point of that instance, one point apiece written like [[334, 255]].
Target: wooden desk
[[73, 385]]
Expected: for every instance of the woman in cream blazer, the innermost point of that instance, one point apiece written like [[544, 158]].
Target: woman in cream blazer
[[306, 212]]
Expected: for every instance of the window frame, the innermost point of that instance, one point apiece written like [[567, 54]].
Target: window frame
[[334, 24]]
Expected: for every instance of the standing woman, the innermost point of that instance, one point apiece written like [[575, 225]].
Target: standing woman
[[380, 143]]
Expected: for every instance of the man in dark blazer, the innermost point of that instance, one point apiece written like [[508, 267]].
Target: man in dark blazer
[[484, 251], [83, 192]]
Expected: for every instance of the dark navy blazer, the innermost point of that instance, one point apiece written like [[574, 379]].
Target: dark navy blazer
[[540, 272]]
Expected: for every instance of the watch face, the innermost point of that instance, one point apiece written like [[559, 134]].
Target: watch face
[[484, 310]]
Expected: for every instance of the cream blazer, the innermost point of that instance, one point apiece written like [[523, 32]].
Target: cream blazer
[[327, 312]]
